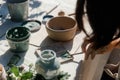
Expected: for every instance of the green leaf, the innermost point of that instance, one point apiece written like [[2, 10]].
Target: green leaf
[[15, 70], [63, 76], [27, 75]]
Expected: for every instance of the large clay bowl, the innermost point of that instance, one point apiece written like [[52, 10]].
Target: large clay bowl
[[61, 28]]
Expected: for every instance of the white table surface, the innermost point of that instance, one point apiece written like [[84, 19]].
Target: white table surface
[[40, 38]]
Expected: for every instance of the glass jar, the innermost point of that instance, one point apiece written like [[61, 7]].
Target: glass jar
[[47, 64]]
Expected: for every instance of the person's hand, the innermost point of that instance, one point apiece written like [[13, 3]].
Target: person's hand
[[84, 45], [112, 70], [88, 49], [112, 67], [3, 73]]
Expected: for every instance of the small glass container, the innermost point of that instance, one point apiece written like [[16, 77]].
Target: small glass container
[[47, 64]]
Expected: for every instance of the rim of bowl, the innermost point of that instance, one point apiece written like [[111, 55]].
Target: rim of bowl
[[48, 50], [75, 25], [20, 39]]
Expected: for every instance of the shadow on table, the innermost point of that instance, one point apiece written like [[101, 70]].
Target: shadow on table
[[57, 46], [3, 11], [5, 26], [34, 4], [6, 57], [79, 71], [5, 21]]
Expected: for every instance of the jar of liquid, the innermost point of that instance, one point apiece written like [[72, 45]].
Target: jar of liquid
[[47, 64]]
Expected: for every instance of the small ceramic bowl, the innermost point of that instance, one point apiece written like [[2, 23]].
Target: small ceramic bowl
[[61, 28]]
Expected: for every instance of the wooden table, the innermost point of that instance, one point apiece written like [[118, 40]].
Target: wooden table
[[40, 38], [89, 70]]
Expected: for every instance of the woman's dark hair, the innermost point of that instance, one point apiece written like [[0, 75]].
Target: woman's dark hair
[[103, 17]]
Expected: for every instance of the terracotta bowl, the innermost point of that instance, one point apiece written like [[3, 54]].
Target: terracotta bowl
[[61, 28]]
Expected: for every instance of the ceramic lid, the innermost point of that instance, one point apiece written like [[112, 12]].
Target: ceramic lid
[[46, 18], [32, 25]]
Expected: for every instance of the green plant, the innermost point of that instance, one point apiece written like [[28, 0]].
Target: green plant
[[18, 73], [63, 76]]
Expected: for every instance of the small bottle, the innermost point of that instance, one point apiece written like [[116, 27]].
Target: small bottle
[[3, 74], [47, 64]]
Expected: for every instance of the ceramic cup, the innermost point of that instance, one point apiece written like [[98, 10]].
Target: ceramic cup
[[61, 28], [18, 9], [18, 39]]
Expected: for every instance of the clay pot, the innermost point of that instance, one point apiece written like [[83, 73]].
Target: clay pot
[[61, 28], [18, 9], [18, 39]]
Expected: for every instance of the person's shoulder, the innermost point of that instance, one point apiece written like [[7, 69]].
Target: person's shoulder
[[108, 48], [116, 43]]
